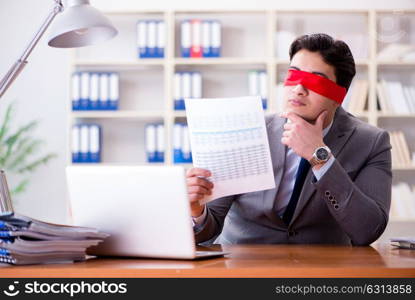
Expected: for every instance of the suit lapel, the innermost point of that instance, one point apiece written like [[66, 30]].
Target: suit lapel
[[335, 139], [278, 153]]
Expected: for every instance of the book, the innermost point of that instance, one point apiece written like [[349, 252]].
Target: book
[[403, 242]]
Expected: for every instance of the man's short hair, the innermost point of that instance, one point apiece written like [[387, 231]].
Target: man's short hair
[[334, 52]]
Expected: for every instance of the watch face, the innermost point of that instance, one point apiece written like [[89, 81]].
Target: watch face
[[322, 154]]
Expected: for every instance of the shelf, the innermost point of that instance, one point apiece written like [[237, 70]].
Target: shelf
[[220, 61], [358, 62], [179, 114], [205, 61], [142, 115], [395, 63], [121, 64], [220, 11], [403, 220], [104, 164], [404, 168], [392, 115]]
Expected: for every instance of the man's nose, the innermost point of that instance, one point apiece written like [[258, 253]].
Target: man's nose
[[299, 89]]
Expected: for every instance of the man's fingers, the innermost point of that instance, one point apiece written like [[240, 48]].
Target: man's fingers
[[197, 189], [196, 181], [196, 197], [292, 116], [284, 140], [288, 126], [198, 172]]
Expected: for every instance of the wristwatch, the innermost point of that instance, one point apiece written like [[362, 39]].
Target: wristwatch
[[320, 156]]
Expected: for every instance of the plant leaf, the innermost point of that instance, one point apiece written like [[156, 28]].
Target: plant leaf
[[33, 165], [25, 148], [11, 140], [20, 188], [5, 127]]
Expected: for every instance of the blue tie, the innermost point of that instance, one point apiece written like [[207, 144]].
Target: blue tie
[[302, 171]]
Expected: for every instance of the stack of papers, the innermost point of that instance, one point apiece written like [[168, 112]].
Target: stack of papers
[[24, 240], [405, 242]]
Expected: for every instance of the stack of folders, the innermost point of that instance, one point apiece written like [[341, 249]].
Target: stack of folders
[[201, 38], [397, 51], [356, 98], [396, 98], [24, 240], [404, 242], [151, 38], [86, 143], [95, 91], [403, 201], [257, 83], [401, 154], [186, 85], [182, 152], [154, 139]]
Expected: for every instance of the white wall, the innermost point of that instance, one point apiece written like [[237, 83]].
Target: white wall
[[41, 91], [42, 88]]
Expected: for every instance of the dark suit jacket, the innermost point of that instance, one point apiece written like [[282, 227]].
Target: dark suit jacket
[[348, 205]]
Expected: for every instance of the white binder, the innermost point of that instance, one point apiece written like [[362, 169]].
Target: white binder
[[85, 90], [94, 98], [150, 140], [206, 38], [216, 38], [196, 85], [177, 143], [186, 85], [94, 143], [160, 147], [142, 39], [253, 83], [76, 91], [263, 88], [161, 39], [75, 145], [186, 144], [114, 90], [104, 91], [151, 38], [185, 38], [178, 91], [84, 143]]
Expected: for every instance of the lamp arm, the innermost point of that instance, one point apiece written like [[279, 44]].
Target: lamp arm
[[18, 66]]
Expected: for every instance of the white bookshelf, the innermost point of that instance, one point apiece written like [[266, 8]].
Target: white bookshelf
[[249, 42]]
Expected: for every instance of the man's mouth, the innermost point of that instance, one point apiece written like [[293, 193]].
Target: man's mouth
[[296, 102]]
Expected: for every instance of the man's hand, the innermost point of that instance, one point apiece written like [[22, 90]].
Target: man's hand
[[304, 138], [198, 187]]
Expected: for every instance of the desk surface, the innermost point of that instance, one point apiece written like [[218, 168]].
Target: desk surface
[[380, 260]]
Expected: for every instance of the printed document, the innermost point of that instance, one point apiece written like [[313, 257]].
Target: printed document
[[228, 137]]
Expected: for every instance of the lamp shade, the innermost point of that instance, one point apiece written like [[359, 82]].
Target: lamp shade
[[79, 25]]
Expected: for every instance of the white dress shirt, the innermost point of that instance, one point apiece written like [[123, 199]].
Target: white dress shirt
[[292, 161]]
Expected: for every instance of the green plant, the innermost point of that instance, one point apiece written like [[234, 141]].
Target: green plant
[[17, 149]]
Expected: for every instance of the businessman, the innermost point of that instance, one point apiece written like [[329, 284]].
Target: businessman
[[332, 171]]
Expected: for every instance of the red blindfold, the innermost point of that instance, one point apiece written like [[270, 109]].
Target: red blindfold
[[318, 84]]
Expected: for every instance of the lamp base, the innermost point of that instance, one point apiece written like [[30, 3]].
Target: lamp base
[[6, 204]]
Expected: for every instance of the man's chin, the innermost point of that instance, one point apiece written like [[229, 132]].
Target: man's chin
[[300, 112]]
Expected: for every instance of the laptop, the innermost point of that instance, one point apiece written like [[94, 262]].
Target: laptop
[[145, 209]]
